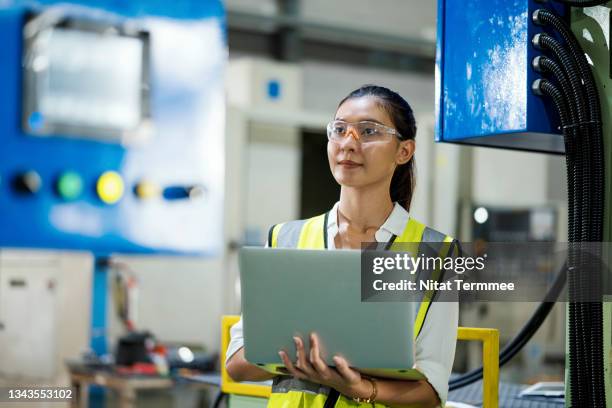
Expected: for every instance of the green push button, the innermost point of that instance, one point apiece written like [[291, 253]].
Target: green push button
[[69, 185]]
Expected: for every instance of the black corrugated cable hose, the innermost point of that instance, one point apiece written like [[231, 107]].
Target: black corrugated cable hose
[[577, 98], [543, 87], [580, 353], [545, 65], [592, 311], [572, 131], [576, 356], [547, 43], [585, 317], [547, 18], [585, 208]]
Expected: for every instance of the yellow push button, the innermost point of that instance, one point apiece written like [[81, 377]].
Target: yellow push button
[[146, 189], [110, 187]]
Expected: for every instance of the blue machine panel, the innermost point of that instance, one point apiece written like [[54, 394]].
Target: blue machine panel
[[61, 186], [484, 77]]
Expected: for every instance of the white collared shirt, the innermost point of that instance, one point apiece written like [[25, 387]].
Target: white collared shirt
[[393, 225], [434, 347]]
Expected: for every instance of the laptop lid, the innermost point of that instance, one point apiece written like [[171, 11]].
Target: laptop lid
[[288, 292]]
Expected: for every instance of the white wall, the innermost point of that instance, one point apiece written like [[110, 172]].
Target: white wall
[[326, 84], [408, 18], [507, 178], [272, 178]]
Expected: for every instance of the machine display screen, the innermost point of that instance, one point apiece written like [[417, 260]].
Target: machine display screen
[[86, 84]]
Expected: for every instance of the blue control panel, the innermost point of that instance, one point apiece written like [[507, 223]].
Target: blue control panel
[[484, 76], [112, 126]]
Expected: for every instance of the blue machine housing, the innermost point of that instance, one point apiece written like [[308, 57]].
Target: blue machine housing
[[484, 77], [187, 54]]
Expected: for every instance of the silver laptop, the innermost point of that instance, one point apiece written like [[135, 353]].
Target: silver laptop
[[288, 292]]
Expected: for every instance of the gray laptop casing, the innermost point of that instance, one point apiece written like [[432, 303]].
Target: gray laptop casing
[[287, 292]]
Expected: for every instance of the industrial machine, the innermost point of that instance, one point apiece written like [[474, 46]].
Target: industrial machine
[[112, 131], [484, 76], [535, 75]]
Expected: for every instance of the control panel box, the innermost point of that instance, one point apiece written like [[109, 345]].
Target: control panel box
[[484, 76], [112, 127]]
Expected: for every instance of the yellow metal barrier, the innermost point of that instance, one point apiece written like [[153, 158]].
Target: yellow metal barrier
[[228, 385], [490, 363]]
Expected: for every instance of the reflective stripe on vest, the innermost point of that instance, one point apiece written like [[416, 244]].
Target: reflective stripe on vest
[[312, 234], [302, 234]]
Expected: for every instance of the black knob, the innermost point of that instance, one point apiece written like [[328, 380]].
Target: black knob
[[28, 182]]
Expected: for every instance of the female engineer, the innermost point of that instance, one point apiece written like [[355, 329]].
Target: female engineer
[[371, 155]]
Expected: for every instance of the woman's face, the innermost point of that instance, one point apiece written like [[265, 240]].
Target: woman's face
[[356, 165]]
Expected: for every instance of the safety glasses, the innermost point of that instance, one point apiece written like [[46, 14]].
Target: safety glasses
[[367, 131]]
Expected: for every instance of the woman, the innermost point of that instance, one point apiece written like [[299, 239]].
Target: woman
[[371, 155]]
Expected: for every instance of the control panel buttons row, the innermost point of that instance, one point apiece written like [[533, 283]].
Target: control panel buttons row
[[109, 187]]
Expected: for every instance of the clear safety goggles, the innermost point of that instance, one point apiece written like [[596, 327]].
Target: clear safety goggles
[[367, 132]]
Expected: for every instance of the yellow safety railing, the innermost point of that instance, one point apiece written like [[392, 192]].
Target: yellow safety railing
[[490, 363], [228, 385]]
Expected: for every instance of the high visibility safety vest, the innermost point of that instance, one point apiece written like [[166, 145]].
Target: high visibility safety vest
[[289, 392]]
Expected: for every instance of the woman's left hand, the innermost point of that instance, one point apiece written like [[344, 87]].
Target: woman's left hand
[[312, 368]]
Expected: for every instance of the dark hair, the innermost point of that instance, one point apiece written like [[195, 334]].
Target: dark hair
[[404, 178]]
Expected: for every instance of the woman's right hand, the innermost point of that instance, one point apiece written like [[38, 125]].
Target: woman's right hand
[[313, 368]]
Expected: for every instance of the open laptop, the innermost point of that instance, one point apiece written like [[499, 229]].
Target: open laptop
[[288, 292]]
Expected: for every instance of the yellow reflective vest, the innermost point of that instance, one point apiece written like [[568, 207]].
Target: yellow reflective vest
[[289, 392]]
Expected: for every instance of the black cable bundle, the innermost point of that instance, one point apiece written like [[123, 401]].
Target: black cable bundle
[[578, 104]]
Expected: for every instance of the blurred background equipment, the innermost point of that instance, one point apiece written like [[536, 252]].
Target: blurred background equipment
[[104, 120], [112, 124], [125, 294], [495, 224]]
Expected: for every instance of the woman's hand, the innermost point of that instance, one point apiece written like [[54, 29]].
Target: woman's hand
[[312, 368]]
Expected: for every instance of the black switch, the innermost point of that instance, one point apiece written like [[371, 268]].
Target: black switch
[[28, 182]]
